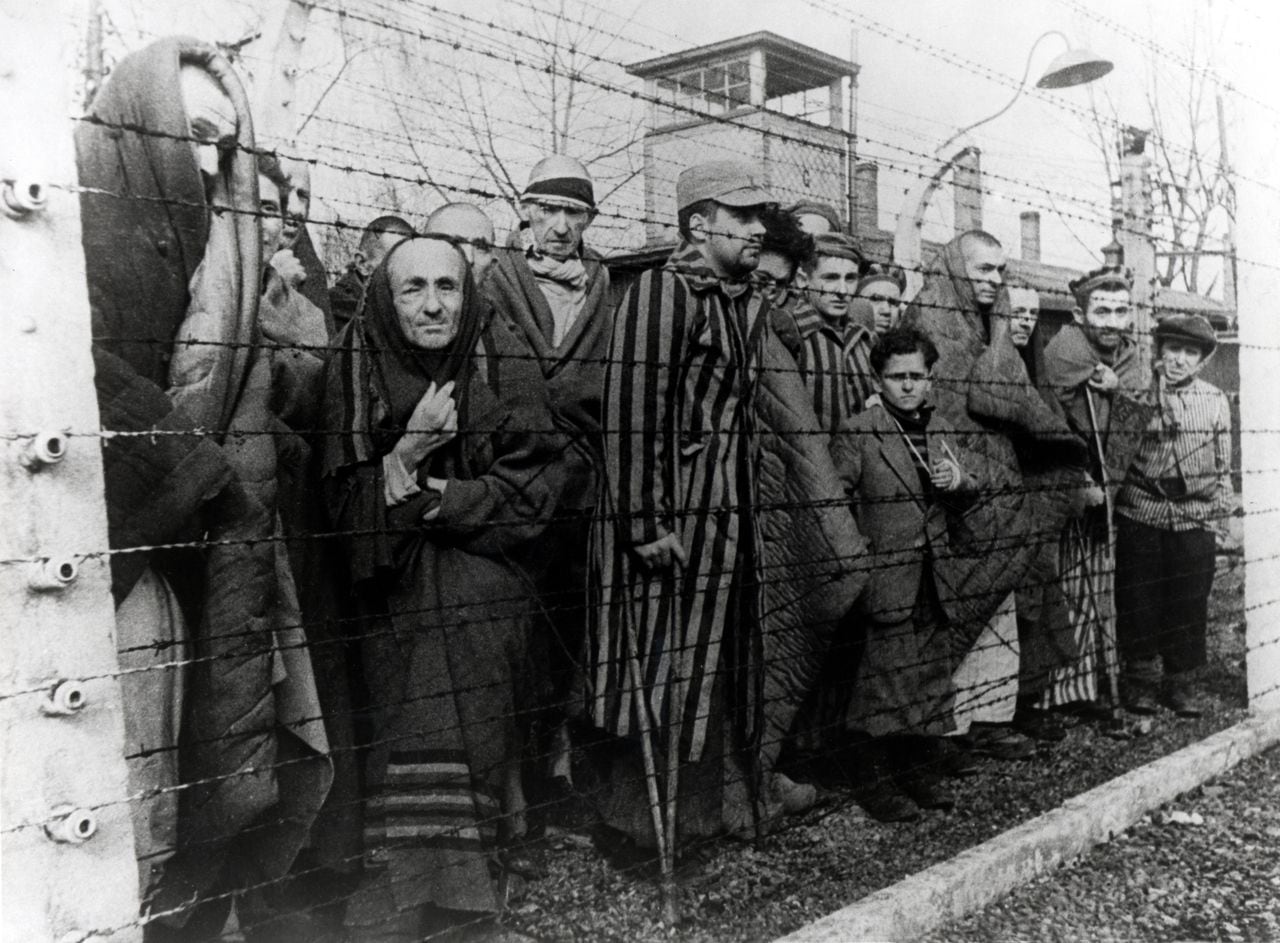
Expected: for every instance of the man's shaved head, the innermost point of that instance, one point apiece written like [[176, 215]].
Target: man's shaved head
[[984, 265], [378, 238], [468, 224]]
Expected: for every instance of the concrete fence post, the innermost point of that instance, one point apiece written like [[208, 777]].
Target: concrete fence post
[[1258, 293], [67, 843]]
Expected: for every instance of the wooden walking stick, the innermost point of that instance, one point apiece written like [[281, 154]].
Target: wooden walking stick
[[1107, 624], [670, 905], [641, 706]]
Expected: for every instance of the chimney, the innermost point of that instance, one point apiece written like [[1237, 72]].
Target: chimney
[[968, 191], [1030, 236], [866, 189]]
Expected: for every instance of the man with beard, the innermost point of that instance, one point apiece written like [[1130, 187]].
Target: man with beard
[[1093, 369], [682, 651]]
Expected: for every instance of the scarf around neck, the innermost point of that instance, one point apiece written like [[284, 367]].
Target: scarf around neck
[[570, 272]]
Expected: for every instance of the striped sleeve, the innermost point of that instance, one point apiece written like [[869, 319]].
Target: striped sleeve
[[820, 370], [859, 366], [1224, 495], [639, 406]]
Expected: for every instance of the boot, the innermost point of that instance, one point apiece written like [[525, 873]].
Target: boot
[[876, 791], [795, 798], [1140, 696], [954, 759], [1000, 742], [1038, 724], [915, 772], [1181, 697]]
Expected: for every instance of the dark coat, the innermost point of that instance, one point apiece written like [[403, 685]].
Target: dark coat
[[446, 616], [983, 390], [344, 298], [898, 519], [146, 227], [573, 371]]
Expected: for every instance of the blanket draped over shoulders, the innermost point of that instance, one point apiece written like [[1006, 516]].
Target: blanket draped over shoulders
[[982, 388], [173, 290]]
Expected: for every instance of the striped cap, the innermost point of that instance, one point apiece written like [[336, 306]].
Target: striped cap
[[562, 181]]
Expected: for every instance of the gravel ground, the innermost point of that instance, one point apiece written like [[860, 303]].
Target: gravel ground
[[835, 854], [1206, 867]]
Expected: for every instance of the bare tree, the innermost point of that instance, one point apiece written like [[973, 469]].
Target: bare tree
[[1193, 194], [489, 124]]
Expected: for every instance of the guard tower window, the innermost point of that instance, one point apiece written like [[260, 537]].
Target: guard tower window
[[711, 89]]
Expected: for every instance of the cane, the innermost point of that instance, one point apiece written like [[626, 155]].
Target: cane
[[641, 705], [1110, 654], [670, 906]]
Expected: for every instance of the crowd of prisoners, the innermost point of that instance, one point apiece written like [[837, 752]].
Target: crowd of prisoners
[[413, 564]]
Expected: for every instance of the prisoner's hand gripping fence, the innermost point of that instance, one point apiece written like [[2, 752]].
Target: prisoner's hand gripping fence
[[60, 826]]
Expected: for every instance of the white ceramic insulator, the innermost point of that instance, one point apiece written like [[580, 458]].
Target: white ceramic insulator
[[44, 449], [67, 698], [74, 826], [21, 198], [53, 574]]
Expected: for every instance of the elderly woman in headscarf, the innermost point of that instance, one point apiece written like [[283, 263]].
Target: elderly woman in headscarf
[[439, 473]]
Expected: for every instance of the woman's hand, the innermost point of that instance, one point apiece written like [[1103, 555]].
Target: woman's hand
[[434, 422]]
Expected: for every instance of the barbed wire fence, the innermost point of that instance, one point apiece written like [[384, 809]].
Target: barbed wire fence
[[425, 125]]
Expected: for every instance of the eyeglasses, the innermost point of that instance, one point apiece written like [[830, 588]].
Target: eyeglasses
[[904, 376]]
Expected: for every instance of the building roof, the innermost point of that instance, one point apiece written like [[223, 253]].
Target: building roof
[[789, 66]]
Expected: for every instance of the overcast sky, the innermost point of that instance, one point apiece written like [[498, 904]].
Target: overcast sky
[[928, 67]]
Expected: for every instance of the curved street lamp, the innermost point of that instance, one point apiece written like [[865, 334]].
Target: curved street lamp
[[1076, 66]]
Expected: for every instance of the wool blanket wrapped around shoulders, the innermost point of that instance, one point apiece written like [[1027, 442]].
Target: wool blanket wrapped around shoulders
[[982, 388], [174, 291], [445, 612]]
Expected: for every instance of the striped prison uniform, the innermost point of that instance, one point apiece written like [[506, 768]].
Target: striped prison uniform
[[1187, 440], [834, 358], [680, 458], [1177, 491]]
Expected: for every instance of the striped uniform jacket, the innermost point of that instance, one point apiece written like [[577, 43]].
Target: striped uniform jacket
[[680, 458], [1188, 438], [835, 364]]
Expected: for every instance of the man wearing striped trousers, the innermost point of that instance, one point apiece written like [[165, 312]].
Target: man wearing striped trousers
[[676, 650]]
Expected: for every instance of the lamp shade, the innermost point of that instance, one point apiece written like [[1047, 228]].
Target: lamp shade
[[1074, 67]]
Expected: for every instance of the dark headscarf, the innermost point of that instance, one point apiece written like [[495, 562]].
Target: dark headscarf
[[383, 376], [145, 222]]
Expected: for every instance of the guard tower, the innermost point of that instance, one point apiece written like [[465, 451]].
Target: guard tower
[[761, 98]]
